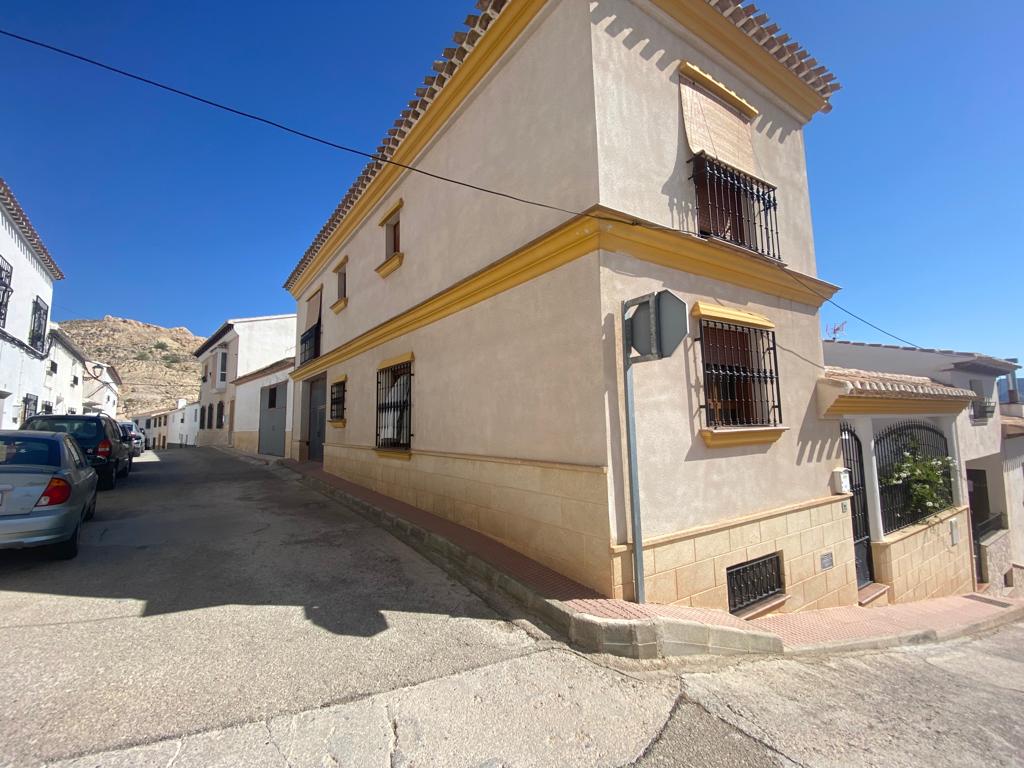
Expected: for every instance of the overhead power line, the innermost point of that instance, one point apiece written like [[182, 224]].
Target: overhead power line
[[382, 159]]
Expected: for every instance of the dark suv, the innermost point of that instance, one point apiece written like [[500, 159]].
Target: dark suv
[[100, 438]]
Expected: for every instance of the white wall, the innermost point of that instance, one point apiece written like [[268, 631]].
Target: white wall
[[247, 402], [100, 394], [262, 342], [183, 425], [21, 373], [59, 388]]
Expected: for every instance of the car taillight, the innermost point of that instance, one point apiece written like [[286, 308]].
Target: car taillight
[[57, 492], [103, 449]]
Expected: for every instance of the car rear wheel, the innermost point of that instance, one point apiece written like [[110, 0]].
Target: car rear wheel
[[67, 550], [108, 480]]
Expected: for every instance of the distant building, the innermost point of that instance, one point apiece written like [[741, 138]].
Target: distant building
[[239, 347], [102, 389], [27, 274], [183, 424], [63, 383]]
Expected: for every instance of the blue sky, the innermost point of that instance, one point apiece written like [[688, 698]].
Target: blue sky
[[172, 213]]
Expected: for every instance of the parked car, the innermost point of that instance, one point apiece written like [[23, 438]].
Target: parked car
[[136, 437], [100, 438], [47, 490]]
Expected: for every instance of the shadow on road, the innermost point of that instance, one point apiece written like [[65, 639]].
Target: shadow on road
[[200, 529]]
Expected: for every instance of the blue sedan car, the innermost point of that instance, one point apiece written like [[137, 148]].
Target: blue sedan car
[[47, 490]]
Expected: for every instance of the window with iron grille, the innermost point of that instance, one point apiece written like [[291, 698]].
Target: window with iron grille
[[37, 331], [74, 381], [753, 581], [209, 416], [53, 366], [338, 400], [309, 344], [72, 410], [31, 403], [6, 275], [394, 406], [47, 406], [741, 383], [202, 417], [220, 415], [735, 206]]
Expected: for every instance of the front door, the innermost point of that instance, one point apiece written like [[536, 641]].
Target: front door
[[982, 520], [273, 408], [317, 418], [853, 458]]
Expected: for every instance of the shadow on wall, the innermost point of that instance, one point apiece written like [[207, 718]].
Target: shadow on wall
[[205, 530]]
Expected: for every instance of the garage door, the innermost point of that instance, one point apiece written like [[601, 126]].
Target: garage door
[[273, 405]]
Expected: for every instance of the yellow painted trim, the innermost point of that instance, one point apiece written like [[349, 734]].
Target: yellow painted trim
[[569, 242], [340, 379], [727, 438], [385, 453], [339, 305], [341, 264], [391, 212], [338, 423], [703, 309], [406, 358], [501, 35], [721, 34], [718, 89], [921, 404], [391, 263]]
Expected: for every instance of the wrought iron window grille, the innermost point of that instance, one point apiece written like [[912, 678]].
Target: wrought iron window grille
[[917, 438], [37, 330], [338, 401], [982, 409], [735, 206], [394, 407], [741, 383], [309, 344], [6, 273], [753, 581]]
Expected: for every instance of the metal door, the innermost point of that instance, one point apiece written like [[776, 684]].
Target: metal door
[[853, 458], [273, 407], [317, 418], [983, 522]]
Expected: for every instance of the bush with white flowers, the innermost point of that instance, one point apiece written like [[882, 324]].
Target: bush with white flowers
[[926, 477]]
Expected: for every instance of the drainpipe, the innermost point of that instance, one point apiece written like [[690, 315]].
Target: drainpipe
[[1012, 393]]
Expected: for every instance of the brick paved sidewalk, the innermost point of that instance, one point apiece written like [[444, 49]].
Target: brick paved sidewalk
[[850, 624]]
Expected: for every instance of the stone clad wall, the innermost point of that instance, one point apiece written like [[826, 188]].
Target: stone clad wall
[[690, 568], [997, 561], [921, 561], [556, 514]]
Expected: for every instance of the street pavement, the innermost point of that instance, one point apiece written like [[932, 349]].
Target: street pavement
[[222, 613]]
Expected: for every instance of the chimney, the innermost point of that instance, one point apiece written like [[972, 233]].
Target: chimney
[[181, 402], [1012, 393]]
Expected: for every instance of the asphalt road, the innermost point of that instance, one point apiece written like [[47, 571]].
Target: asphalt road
[[224, 614]]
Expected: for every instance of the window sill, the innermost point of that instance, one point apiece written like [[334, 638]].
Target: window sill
[[391, 263], [339, 305], [338, 423], [767, 605], [393, 453], [727, 437]]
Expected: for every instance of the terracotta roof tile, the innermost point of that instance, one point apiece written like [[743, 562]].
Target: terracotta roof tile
[[875, 383], [17, 213]]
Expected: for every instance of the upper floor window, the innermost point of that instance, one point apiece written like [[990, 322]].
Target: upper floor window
[[74, 381], [309, 342], [37, 330], [31, 404], [53, 367], [392, 225], [394, 406], [394, 236], [741, 383], [338, 400], [735, 206], [6, 276], [222, 372]]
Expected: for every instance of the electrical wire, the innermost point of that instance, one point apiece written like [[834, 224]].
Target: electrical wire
[[404, 166]]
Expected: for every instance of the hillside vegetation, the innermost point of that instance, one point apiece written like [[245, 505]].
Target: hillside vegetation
[[155, 363]]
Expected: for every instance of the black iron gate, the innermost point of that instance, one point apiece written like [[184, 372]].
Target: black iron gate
[[853, 458]]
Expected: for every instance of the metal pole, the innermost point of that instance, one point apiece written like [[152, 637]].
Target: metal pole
[[634, 483]]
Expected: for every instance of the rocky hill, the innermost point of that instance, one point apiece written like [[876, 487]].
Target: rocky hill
[[155, 363]]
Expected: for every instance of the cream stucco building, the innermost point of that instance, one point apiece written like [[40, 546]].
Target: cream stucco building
[[462, 351], [263, 414], [239, 347]]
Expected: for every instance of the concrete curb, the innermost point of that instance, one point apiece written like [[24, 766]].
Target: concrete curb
[[659, 637], [655, 638]]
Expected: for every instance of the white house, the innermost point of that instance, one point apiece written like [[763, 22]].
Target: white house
[[102, 388], [183, 424], [27, 274], [263, 416], [63, 384], [239, 347]]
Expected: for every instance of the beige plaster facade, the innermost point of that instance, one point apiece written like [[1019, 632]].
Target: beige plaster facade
[[510, 315]]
